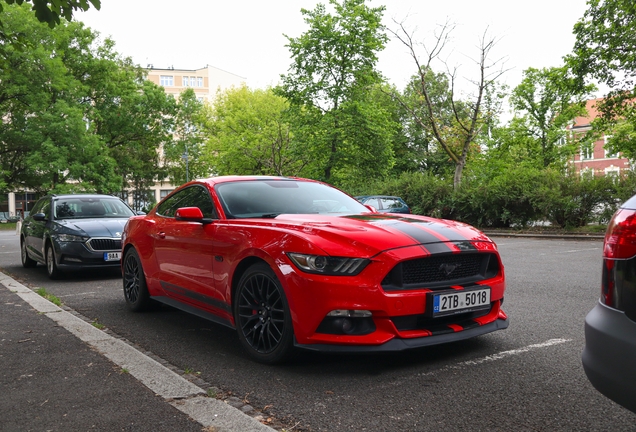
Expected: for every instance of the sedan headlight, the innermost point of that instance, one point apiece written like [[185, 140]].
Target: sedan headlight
[[328, 265], [70, 238]]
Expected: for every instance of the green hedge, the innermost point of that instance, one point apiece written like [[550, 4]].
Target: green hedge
[[511, 196]]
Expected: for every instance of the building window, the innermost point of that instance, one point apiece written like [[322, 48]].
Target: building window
[[164, 193], [166, 80], [199, 81], [612, 171], [186, 81], [608, 154], [587, 151], [587, 172]]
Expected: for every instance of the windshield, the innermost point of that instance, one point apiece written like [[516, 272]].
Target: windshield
[[269, 198], [84, 208]]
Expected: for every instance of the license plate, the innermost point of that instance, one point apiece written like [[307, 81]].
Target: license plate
[[452, 302], [112, 256]]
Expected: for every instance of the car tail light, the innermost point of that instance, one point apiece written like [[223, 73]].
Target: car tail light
[[618, 283], [620, 238]]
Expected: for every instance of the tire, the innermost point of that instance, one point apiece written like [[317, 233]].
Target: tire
[[134, 282], [51, 266], [27, 262], [262, 317]]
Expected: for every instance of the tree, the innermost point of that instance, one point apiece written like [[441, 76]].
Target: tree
[[247, 135], [46, 11], [333, 68], [547, 101], [457, 133], [76, 115], [183, 152], [605, 51]]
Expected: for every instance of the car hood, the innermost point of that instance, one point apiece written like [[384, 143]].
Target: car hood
[[93, 227], [376, 232]]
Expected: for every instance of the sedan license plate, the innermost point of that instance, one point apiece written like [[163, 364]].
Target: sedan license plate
[[112, 256], [452, 302]]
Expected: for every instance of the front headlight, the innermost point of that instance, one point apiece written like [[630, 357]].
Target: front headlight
[[328, 265], [70, 238]]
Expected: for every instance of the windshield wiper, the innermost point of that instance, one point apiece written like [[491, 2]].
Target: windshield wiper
[[269, 215]]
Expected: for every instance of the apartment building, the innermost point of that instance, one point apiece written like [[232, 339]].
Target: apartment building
[[595, 159], [205, 82]]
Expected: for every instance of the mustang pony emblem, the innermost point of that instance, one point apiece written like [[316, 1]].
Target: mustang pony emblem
[[447, 269]]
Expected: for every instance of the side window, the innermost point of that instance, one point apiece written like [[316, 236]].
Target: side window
[[37, 208], [373, 202], [389, 203], [193, 196], [46, 208]]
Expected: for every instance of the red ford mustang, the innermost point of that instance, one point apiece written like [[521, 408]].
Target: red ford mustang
[[291, 262]]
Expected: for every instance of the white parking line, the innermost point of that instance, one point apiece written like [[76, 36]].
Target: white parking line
[[504, 354], [498, 356]]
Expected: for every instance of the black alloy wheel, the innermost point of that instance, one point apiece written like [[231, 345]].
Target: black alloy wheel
[[135, 288], [27, 262], [262, 315]]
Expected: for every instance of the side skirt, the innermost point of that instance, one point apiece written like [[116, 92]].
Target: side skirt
[[193, 310]]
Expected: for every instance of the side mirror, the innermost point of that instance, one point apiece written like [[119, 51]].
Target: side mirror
[[40, 217], [191, 214]]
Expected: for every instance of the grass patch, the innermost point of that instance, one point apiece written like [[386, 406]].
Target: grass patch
[[9, 226], [98, 325], [50, 297]]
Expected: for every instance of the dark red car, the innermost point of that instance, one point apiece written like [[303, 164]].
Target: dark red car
[[291, 262]]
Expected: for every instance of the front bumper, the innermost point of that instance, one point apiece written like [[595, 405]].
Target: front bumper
[[76, 256], [609, 356], [405, 344]]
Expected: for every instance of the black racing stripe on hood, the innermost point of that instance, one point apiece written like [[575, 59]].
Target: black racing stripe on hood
[[433, 243], [439, 228]]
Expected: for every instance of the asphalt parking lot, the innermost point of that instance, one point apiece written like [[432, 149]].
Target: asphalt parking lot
[[528, 377]]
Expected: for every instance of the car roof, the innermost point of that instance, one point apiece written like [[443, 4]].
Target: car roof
[[89, 196], [235, 178], [378, 196]]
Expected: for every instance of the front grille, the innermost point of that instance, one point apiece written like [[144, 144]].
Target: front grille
[[105, 244], [441, 271]]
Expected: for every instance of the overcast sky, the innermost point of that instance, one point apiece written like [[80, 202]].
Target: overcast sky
[[246, 37]]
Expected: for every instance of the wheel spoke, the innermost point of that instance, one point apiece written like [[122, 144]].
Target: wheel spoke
[[261, 314]]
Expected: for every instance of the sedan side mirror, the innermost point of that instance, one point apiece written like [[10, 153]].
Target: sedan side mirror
[[40, 217], [191, 214]]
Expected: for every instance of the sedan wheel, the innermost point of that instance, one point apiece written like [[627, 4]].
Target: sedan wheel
[[135, 288], [51, 265], [26, 260], [262, 315]]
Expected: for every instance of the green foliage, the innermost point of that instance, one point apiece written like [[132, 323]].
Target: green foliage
[[183, 151], [246, 134], [50, 11], [605, 52], [546, 101], [76, 115], [342, 130], [500, 195]]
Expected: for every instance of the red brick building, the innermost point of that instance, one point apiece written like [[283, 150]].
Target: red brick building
[[594, 159]]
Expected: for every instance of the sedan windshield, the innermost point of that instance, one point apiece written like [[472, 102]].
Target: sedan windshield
[[83, 208], [269, 198]]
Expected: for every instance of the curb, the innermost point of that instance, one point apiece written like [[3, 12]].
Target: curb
[[596, 237], [182, 394]]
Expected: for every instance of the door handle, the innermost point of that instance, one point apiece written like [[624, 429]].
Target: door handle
[[161, 235]]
